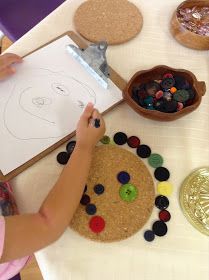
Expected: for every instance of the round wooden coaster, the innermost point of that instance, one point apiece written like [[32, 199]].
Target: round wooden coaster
[[122, 219], [114, 21]]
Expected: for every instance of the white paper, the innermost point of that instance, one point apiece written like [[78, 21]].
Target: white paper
[[43, 101]]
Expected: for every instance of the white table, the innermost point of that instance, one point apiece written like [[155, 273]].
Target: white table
[[184, 252]]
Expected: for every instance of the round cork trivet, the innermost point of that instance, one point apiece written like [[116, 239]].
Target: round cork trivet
[[122, 219], [114, 21]]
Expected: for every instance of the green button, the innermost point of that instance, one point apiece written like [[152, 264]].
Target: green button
[[155, 160], [105, 139], [128, 192], [181, 95]]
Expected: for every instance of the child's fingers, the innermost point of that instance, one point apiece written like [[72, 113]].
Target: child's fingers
[[88, 112], [6, 72], [8, 59], [96, 114]]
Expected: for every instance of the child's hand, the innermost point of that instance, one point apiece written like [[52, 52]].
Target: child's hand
[[6, 61], [87, 136]]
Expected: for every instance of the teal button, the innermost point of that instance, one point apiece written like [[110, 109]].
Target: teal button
[[181, 95], [155, 160]]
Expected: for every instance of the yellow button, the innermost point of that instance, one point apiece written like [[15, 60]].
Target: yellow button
[[165, 188]]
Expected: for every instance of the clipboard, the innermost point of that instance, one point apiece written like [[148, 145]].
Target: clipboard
[[116, 79]]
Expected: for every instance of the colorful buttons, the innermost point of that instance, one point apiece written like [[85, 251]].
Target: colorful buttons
[[155, 160], [70, 146], [123, 177], [164, 216], [159, 228], [161, 202], [164, 95], [149, 235], [143, 151], [165, 188], [128, 192], [105, 140], [91, 209], [162, 174], [85, 199], [63, 158], [133, 142], [120, 138], [97, 224], [99, 189]]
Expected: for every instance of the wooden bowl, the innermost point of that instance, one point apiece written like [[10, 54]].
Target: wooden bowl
[[156, 73], [183, 35]]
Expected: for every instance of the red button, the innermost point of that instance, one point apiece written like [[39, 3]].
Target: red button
[[133, 142], [164, 216], [97, 224], [167, 75]]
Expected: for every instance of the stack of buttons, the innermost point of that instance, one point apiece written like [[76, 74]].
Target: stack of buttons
[[63, 157], [169, 95]]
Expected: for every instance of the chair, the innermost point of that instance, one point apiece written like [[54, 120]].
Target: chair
[[17, 17], [16, 277]]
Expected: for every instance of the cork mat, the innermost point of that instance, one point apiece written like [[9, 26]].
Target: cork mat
[[122, 219], [115, 21]]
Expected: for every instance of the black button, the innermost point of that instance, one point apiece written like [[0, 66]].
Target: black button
[[85, 199], [91, 209], [70, 146], [159, 105], [63, 158], [143, 151], [123, 177], [170, 106], [149, 235], [161, 202], [167, 83], [180, 82], [191, 93], [85, 189], [162, 174], [99, 189], [159, 228], [120, 138], [97, 123]]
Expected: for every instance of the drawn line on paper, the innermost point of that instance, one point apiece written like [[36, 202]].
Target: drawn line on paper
[[29, 112], [42, 101]]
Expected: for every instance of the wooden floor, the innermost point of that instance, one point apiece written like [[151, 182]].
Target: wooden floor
[[31, 271]]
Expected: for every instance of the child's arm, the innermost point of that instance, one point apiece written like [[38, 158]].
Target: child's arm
[[28, 233], [6, 62]]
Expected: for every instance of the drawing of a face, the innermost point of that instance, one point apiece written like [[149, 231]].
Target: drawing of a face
[[46, 103]]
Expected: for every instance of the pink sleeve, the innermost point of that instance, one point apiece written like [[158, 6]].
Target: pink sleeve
[[2, 234]]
